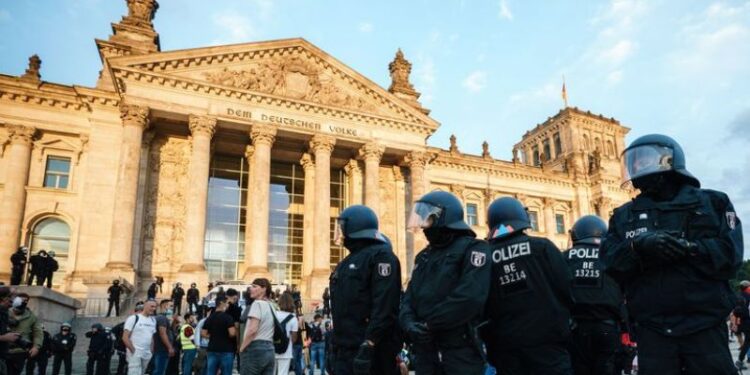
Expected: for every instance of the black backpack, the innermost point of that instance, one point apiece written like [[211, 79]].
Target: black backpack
[[316, 333], [280, 339]]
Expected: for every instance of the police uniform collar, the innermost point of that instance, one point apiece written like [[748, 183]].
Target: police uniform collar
[[687, 196]]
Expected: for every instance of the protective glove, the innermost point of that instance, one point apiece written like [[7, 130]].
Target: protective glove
[[418, 333], [363, 359], [661, 245]]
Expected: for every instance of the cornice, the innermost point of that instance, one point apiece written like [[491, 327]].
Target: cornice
[[171, 81], [74, 98]]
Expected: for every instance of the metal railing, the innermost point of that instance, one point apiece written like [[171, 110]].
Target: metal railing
[[97, 307]]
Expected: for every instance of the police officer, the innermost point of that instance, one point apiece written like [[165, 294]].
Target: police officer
[[529, 300], [36, 267], [673, 249], [177, 294], [99, 348], [366, 291], [114, 292], [63, 345], [598, 301], [193, 296], [448, 289], [18, 264], [50, 267]]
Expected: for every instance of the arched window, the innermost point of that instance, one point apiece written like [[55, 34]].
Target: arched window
[[52, 234]]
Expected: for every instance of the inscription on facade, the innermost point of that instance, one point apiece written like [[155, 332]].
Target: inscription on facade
[[294, 122]]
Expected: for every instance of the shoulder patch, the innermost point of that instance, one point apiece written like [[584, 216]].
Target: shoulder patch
[[731, 219], [384, 269], [478, 258]]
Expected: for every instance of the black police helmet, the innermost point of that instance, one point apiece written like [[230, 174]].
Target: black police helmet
[[506, 215], [452, 211], [669, 153], [360, 222], [589, 229]]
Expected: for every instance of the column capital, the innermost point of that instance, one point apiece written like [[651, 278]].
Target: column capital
[[263, 134], [549, 202], [352, 167], [21, 134], [201, 124], [416, 159], [371, 151], [458, 190], [249, 152], [397, 174], [323, 143], [134, 115], [307, 163]]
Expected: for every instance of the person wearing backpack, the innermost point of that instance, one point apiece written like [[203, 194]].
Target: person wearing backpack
[[288, 321], [318, 344], [257, 349]]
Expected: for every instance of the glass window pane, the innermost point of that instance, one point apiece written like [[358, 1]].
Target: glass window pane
[[62, 183], [50, 181], [560, 221], [56, 164]]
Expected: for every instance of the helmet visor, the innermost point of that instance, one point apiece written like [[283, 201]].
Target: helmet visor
[[647, 159], [423, 215], [338, 232]]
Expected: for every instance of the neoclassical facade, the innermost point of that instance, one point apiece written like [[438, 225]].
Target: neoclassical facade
[[233, 162]]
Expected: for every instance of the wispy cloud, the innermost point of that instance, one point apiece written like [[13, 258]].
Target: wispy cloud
[[505, 11], [365, 27], [739, 128], [235, 28], [475, 81], [618, 53], [614, 77], [426, 77]]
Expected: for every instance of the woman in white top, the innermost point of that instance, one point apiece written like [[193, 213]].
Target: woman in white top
[[287, 319], [256, 351]]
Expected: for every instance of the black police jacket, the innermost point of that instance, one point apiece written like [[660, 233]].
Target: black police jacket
[[193, 295], [530, 295], [448, 287], [63, 343], [177, 294], [100, 343], [18, 260], [114, 292], [683, 297], [597, 296], [365, 291]]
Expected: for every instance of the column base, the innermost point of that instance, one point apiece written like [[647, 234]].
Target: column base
[[319, 281], [119, 266], [254, 272]]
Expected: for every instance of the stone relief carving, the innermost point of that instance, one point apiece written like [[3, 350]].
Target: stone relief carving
[[165, 208], [291, 76], [141, 11]]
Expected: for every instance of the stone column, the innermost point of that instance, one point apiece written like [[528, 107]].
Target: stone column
[[248, 249], [371, 154], [550, 223], [134, 122], [416, 161], [308, 224], [263, 137], [322, 146], [12, 207], [354, 178], [202, 129], [605, 205]]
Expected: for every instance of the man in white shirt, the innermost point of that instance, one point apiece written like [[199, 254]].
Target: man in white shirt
[[138, 338]]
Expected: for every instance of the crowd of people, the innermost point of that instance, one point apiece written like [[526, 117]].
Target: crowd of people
[[510, 303], [40, 266]]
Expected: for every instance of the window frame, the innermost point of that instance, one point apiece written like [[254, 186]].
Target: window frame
[[57, 175], [475, 216]]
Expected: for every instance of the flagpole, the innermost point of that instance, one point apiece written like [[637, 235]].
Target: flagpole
[[564, 93]]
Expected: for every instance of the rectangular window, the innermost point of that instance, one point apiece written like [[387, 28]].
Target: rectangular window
[[558, 144], [547, 151], [471, 214], [534, 220], [537, 161], [57, 173], [560, 221]]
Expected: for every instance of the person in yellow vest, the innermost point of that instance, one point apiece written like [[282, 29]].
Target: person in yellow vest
[[187, 336]]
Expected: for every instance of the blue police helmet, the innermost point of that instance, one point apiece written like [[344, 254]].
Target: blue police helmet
[[652, 154], [589, 230], [359, 222], [505, 216], [449, 212]]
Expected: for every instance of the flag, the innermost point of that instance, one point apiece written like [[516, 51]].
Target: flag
[[564, 94]]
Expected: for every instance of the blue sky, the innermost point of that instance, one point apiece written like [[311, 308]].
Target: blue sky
[[487, 69]]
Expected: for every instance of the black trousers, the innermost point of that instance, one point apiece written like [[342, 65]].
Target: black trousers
[[40, 361], [122, 363], [701, 353], [430, 359], [177, 307], [550, 359], [383, 361], [97, 362], [62, 359], [16, 276], [16, 363], [593, 345], [116, 305], [192, 307]]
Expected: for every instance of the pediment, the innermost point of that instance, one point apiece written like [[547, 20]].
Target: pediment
[[292, 69]]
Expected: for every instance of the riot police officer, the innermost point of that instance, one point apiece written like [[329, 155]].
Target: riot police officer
[[114, 292], [37, 266], [193, 296], [366, 291], [18, 264], [673, 249], [598, 301], [529, 301], [448, 289], [177, 294]]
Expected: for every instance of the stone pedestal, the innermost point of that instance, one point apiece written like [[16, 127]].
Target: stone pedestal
[[50, 307]]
